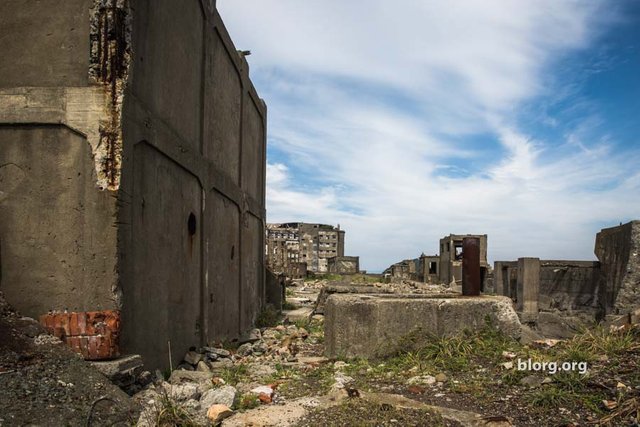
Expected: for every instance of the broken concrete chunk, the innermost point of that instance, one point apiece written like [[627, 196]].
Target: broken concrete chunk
[[224, 395], [217, 413], [245, 349]]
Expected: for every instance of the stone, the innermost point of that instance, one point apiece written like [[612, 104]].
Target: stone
[[183, 392], [263, 389], [202, 380], [532, 381], [441, 378], [245, 349], [220, 352], [312, 360], [122, 371], [260, 347], [192, 357], [224, 395], [185, 367], [220, 364], [217, 413], [253, 336], [303, 313], [202, 367], [422, 379]]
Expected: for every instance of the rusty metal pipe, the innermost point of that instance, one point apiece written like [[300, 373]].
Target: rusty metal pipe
[[471, 266]]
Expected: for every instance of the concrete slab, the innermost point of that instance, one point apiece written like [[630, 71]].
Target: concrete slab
[[303, 313], [375, 325]]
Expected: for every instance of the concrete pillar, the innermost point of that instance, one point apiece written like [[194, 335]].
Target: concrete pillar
[[498, 280], [528, 285], [471, 266]]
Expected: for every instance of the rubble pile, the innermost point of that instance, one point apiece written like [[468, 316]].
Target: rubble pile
[[198, 384]]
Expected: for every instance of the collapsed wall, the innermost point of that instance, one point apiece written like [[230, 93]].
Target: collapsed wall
[[132, 169]]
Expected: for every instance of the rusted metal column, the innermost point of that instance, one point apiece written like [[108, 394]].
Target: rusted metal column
[[471, 266]]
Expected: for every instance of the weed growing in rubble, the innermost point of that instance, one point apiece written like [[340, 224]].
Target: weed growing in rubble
[[247, 401], [171, 413], [235, 374], [600, 341], [550, 397]]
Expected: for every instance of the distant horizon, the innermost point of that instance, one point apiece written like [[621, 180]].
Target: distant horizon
[[401, 120]]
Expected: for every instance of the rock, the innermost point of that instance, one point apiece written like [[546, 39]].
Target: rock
[[192, 405], [220, 364], [342, 380], [183, 392], [253, 336], [245, 349], [270, 334], [263, 389], [260, 347], [224, 395], [217, 413], [178, 377], [422, 379], [185, 367], [202, 367], [441, 378], [220, 352], [311, 360], [532, 381], [192, 357]]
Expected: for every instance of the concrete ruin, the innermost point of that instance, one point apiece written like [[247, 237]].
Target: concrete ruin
[[375, 326], [132, 169], [605, 289], [320, 247], [446, 267]]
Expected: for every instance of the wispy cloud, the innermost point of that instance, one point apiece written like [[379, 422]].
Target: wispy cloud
[[405, 121]]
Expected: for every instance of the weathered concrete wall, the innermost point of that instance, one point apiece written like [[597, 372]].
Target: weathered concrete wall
[[618, 250], [201, 115], [374, 325], [568, 285], [344, 265], [57, 237], [135, 135]]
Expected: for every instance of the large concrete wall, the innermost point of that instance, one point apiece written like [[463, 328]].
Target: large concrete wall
[[133, 156], [618, 249], [57, 237]]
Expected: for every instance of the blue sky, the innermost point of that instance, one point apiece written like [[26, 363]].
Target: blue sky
[[405, 121]]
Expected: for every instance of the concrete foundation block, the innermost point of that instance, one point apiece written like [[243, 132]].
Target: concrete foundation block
[[373, 326]]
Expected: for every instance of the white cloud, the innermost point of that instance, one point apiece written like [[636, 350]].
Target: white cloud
[[376, 100]]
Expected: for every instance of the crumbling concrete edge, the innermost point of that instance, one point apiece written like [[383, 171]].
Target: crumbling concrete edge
[[94, 111]]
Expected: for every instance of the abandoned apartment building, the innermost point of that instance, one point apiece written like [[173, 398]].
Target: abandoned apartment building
[[296, 248], [132, 170], [446, 267]]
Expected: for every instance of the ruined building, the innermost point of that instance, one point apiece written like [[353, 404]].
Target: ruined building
[[607, 288], [132, 169], [296, 247], [445, 267]]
